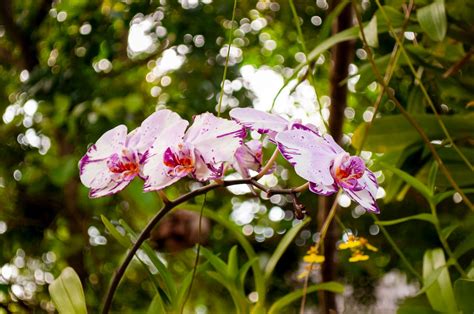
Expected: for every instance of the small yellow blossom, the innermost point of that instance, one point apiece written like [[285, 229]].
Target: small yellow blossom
[[313, 258], [358, 256], [365, 242], [352, 242], [357, 246]]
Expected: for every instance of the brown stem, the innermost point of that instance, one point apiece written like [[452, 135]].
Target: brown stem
[[341, 57], [167, 207]]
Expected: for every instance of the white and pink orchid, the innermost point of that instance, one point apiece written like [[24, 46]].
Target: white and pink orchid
[[327, 167], [201, 152], [248, 157], [117, 157], [266, 123]]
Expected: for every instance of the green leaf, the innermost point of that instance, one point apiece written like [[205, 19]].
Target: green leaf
[[412, 181], [446, 232], [432, 19], [281, 303], [425, 216], [237, 233], [438, 198], [185, 284], [418, 305], [282, 246], [162, 269], [216, 262], [465, 246], [464, 292], [402, 134], [156, 305], [370, 32], [232, 262], [123, 240], [437, 282], [244, 269], [67, 293], [432, 176]]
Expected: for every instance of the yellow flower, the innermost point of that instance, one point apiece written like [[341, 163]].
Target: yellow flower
[[357, 245], [358, 256], [313, 258], [352, 242], [365, 242]]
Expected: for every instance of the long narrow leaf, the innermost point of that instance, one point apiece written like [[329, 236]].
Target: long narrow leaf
[[426, 217], [280, 304], [114, 232], [282, 246], [414, 182], [162, 269]]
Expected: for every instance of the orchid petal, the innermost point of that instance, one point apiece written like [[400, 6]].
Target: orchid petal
[[109, 143], [309, 154], [155, 171], [320, 189], [366, 192], [93, 169], [215, 138], [207, 171], [153, 127], [262, 122], [248, 157], [111, 188]]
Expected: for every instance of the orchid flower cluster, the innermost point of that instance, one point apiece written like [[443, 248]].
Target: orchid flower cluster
[[163, 149]]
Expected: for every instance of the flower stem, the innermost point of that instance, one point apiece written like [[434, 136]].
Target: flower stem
[[268, 165], [444, 243], [226, 59]]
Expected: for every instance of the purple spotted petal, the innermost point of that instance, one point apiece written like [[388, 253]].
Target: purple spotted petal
[[216, 139], [309, 153], [207, 171], [155, 170], [320, 189], [365, 195], [262, 122], [111, 188], [248, 157]]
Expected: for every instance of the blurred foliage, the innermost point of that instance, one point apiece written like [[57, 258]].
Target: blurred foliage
[[70, 70]]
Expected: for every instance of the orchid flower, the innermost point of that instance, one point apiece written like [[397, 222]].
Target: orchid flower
[[327, 167], [117, 157], [248, 157], [200, 152], [266, 123]]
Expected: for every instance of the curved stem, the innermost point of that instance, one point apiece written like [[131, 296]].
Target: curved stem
[[226, 60], [327, 222], [167, 207], [268, 165], [397, 249], [198, 251], [444, 243]]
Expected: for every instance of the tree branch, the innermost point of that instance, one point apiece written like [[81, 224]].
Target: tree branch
[[167, 207]]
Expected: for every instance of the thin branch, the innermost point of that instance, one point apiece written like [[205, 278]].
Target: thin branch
[[224, 75], [167, 207], [458, 65]]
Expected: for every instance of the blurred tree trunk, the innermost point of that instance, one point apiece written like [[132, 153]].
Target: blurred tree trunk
[[341, 57]]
